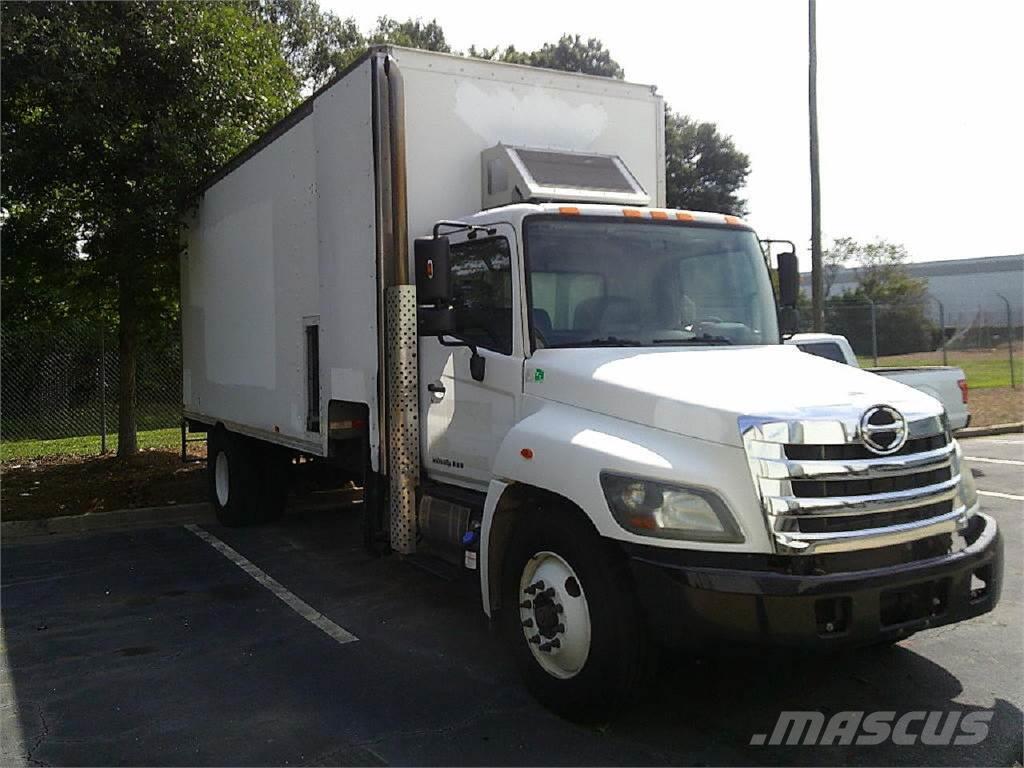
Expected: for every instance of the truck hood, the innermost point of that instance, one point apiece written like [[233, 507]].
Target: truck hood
[[702, 392]]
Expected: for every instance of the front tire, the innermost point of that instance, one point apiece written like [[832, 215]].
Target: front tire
[[570, 617]]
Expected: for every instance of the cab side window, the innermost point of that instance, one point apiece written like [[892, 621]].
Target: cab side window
[[482, 288]]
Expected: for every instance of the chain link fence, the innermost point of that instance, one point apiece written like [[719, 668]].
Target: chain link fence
[[925, 333], [62, 383]]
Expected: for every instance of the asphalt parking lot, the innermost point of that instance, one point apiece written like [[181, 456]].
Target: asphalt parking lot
[[155, 647]]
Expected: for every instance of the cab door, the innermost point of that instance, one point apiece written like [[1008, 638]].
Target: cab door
[[462, 420]]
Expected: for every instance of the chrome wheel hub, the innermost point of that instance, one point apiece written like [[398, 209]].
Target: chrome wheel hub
[[554, 615]]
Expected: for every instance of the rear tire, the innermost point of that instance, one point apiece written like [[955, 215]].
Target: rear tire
[[586, 604], [229, 469]]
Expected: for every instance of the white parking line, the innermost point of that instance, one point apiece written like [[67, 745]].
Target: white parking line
[[998, 495], [301, 607], [983, 460]]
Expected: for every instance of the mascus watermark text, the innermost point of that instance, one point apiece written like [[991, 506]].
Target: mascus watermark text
[[870, 728]]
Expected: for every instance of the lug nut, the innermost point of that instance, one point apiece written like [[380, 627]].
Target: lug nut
[[535, 639], [527, 623], [549, 592], [559, 628], [526, 604], [533, 588], [547, 647]]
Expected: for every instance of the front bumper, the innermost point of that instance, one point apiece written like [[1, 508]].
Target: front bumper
[[740, 600]]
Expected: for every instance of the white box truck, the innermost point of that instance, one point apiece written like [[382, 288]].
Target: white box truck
[[459, 279]]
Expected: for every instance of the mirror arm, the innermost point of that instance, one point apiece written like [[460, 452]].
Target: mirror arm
[[477, 363]]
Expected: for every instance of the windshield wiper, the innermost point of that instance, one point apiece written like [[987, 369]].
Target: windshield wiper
[[705, 339], [607, 341]]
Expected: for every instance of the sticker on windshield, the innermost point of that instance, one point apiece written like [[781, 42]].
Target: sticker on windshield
[[538, 375]]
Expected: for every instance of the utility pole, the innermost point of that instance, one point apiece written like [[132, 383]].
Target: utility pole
[[817, 276]]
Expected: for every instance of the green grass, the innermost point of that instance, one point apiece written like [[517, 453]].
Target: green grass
[[88, 445], [983, 372]]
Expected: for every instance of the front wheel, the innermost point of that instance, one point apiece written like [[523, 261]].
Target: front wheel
[[570, 617]]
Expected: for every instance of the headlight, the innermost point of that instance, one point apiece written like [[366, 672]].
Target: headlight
[[666, 511]]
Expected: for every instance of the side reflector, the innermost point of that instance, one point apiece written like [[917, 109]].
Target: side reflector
[[526, 453], [568, 210], [963, 390], [684, 216], [631, 213]]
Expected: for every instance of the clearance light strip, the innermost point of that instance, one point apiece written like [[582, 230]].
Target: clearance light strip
[[660, 215]]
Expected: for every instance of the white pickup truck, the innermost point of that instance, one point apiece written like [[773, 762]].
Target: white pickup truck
[[945, 383]]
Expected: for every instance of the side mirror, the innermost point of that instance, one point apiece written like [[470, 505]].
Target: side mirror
[[433, 270], [789, 321], [789, 279], [435, 321], [435, 316]]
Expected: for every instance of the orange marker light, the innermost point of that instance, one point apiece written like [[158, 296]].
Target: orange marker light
[[526, 453], [659, 215], [684, 216], [734, 220], [631, 213], [568, 210]]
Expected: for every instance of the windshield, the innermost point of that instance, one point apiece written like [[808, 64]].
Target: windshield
[[614, 282]]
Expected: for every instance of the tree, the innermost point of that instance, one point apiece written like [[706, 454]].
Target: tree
[[835, 258], [411, 34], [113, 114], [885, 288], [315, 43], [569, 54], [703, 169]]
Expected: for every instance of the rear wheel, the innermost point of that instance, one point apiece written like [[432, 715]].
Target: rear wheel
[[570, 617], [230, 476]]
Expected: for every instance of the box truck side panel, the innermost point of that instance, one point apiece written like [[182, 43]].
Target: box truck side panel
[[249, 278], [457, 107], [342, 117]]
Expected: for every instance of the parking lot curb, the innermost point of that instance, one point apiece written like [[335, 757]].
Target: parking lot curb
[[995, 429], [143, 517]]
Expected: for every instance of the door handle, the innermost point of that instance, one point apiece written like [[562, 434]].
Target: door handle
[[437, 388]]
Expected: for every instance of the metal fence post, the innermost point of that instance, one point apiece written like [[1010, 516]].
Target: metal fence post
[[103, 394], [874, 333], [942, 327], [1009, 338]]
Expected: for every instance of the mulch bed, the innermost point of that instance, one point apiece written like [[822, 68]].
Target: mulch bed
[[68, 485]]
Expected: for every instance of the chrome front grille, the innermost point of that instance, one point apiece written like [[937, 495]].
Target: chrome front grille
[[822, 490]]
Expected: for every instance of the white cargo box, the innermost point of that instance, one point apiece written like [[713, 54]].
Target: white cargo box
[[282, 251]]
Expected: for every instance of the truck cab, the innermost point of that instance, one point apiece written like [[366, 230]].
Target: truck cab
[[634, 391]]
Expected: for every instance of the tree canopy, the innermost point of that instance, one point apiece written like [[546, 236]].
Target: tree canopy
[[113, 113], [569, 54], [703, 169], [885, 289]]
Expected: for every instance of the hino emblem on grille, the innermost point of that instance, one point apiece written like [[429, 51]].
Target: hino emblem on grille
[[883, 429]]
